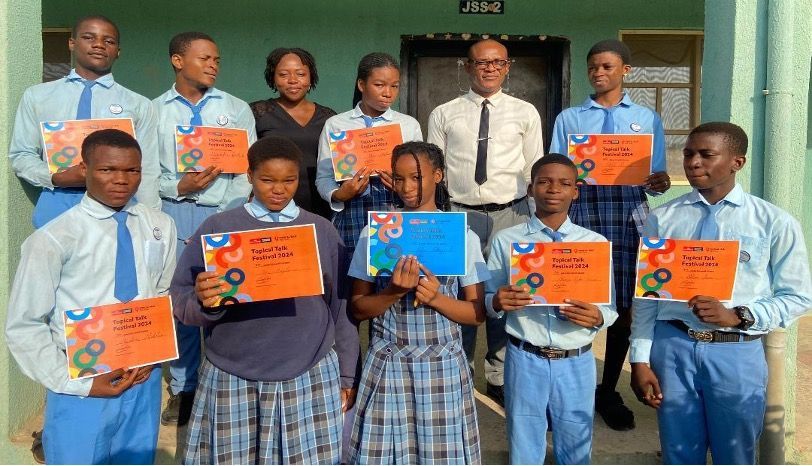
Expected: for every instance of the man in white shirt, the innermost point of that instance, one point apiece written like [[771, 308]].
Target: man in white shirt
[[490, 141]]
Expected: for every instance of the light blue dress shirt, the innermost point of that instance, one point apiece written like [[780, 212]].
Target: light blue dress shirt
[[67, 264], [629, 118], [258, 210], [58, 101], [772, 278], [353, 119], [539, 325], [220, 110]]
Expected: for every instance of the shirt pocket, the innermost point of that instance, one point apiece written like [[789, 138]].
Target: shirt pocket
[[753, 253], [154, 253]]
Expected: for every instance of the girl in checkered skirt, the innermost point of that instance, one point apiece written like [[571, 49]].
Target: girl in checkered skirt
[[277, 374], [415, 402]]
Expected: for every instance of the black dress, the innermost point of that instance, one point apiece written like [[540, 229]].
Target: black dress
[[273, 120]]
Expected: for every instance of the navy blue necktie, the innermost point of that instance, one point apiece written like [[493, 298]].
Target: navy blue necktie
[[196, 120], [126, 287], [370, 121], [85, 100], [709, 229], [608, 121]]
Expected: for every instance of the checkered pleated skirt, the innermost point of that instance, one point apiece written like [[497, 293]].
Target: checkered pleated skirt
[[238, 421], [415, 405], [350, 221]]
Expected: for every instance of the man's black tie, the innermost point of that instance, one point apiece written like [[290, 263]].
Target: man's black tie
[[481, 173]]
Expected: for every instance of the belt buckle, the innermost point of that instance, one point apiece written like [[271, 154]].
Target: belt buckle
[[705, 336], [551, 353]]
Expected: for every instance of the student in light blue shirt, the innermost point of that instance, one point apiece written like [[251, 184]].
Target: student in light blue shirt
[[701, 364], [89, 91], [190, 198], [549, 366]]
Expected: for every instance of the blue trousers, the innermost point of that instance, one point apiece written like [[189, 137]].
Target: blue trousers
[[714, 396], [565, 388], [52, 204], [183, 371], [120, 430]]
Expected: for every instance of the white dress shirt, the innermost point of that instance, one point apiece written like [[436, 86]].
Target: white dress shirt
[[70, 263], [514, 144]]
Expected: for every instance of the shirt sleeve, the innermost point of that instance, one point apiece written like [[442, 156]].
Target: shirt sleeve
[[476, 268], [31, 307], [498, 268], [414, 131], [146, 131], [791, 284], [358, 265], [644, 311], [170, 260], [239, 187], [435, 133], [25, 150], [533, 143], [325, 179], [558, 141]]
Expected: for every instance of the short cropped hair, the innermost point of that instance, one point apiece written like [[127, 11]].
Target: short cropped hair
[[612, 45], [180, 43], [734, 135], [107, 138], [273, 147], [276, 56], [85, 19], [553, 158]]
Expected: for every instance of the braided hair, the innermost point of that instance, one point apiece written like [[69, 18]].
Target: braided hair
[[437, 160]]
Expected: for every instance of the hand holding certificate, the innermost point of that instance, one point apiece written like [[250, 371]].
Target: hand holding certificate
[[102, 339], [365, 147], [200, 147], [62, 140], [611, 159], [261, 265], [678, 270]]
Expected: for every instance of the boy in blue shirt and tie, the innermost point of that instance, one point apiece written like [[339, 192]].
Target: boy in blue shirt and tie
[[111, 418], [701, 364], [549, 365]]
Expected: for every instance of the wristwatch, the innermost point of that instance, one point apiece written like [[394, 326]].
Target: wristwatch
[[746, 317]]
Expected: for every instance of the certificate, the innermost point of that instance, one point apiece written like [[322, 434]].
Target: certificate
[[611, 159], [366, 147], [199, 147], [678, 270], [62, 140], [558, 271], [437, 239], [261, 265], [101, 339]]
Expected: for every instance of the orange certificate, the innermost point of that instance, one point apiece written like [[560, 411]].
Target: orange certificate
[[365, 147], [556, 271], [199, 147], [611, 159], [101, 339], [261, 265], [62, 140], [678, 270]]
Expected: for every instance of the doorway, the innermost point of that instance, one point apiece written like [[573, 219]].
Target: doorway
[[434, 73]]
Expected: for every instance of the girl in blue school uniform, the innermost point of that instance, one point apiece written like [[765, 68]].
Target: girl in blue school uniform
[[376, 89], [415, 402]]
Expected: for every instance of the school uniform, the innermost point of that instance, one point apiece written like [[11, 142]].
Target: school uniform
[[549, 366], [61, 100], [415, 403], [219, 109], [714, 392], [269, 390], [67, 264], [350, 217]]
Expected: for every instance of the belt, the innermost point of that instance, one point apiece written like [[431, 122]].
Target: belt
[[491, 207], [547, 352], [713, 336]]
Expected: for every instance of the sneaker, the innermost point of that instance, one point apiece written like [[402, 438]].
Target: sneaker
[[611, 408], [496, 393], [36, 447], [178, 409]]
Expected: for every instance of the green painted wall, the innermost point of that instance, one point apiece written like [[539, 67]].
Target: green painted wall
[[20, 66], [339, 33]]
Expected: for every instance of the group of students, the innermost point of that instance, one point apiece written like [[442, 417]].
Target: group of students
[[282, 380]]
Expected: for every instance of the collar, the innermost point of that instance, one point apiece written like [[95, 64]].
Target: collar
[[105, 81], [388, 115], [589, 103], [100, 211], [535, 225], [477, 99], [735, 197], [260, 212], [173, 94]]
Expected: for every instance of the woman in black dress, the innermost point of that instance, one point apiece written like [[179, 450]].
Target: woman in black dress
[[292, 73]]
